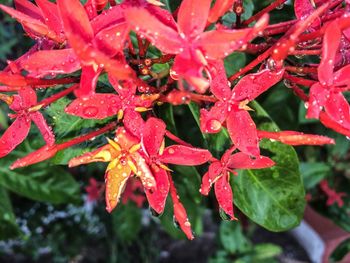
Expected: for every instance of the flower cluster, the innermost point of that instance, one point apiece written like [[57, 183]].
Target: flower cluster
[[75, 44]]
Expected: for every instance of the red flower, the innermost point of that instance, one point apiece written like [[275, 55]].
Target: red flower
[[93, 190], [157, 156], [188, 42], [19, 129], [327, 93], [332, 195], [232, 106], [219, 175]]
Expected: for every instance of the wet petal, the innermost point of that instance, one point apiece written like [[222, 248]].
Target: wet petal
[[223, 193], [244, 161], [133, 122], [219, 9], [44, 128], [219, 85], [337, 107], [317, 99], [214, 171], [211, 121], [103, 154], [153, 135], [183, 155]]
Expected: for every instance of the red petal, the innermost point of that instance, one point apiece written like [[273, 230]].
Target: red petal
[[331, 42], [219, 85], [252, 85], [341, 77], [192, 16], [243, 161], [110, 17], [43, 127], [29, 9], [144, 173], [44, 153], [125, 139], [115, 179], [211, 121], [28, 97], [183, 155], [296, 138], [14, 135], [219, 9], [243, 132], [210, 177], [88, 81], [318, 97], [330, 123], [162, 36], [304, 8], [218, 44], [97, 106], [223, 193], [51, 15], [34, 25], [63, 61], [153, 135], [337, 107], [133, 122], [157, 198]]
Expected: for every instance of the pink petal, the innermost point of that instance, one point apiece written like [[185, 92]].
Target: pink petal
[[63, 61], [192, 16], [157, 198], [242, 131], [243, 161], [327, 121], [14, 135], [51, 15], [97, 106], [110, 17], [28, 8], [219, 85], [304, 8], [183, 155], [44, 128], [162, 36], [44, 153], [153, 135], [88, 81], [28, 97], [223, 193], [219, 9], [252, 85], [341, 77]]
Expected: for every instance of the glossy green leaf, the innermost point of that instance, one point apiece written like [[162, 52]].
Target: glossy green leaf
[[232, 237], [313, 173], [8, 225], [273, 198], [340, 251]]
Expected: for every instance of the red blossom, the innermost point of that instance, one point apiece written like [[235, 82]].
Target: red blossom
[[332, 195]]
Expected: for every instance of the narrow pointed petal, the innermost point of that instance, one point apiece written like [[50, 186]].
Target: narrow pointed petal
[[28, 97], [341, 77], [180, 213], [219, 85], [97, 106], [192, 16], [28, 8], [242, 131], [337, 107], [63, 61], [296, 138], [210, 177], [331, 42], [162, 36], [88, 81], [157, 198], [223, 193], [219, 9], [243, 161], [44, 128], [32, 24], [304, 8], [115, 179], [252, 85], [14, 135], [317, 99], [211, 121], [102, 154], [218, 44], [109, 17], [125, 139], [50, 12], [42, 154], [153, 135], [183, 155]]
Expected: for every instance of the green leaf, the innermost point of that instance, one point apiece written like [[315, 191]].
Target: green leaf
[[313, 173], [8, 225], [274, 197], [234, 62], [232, 238], [340, 251], [126, 221], [40, 182], [266, 251]]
